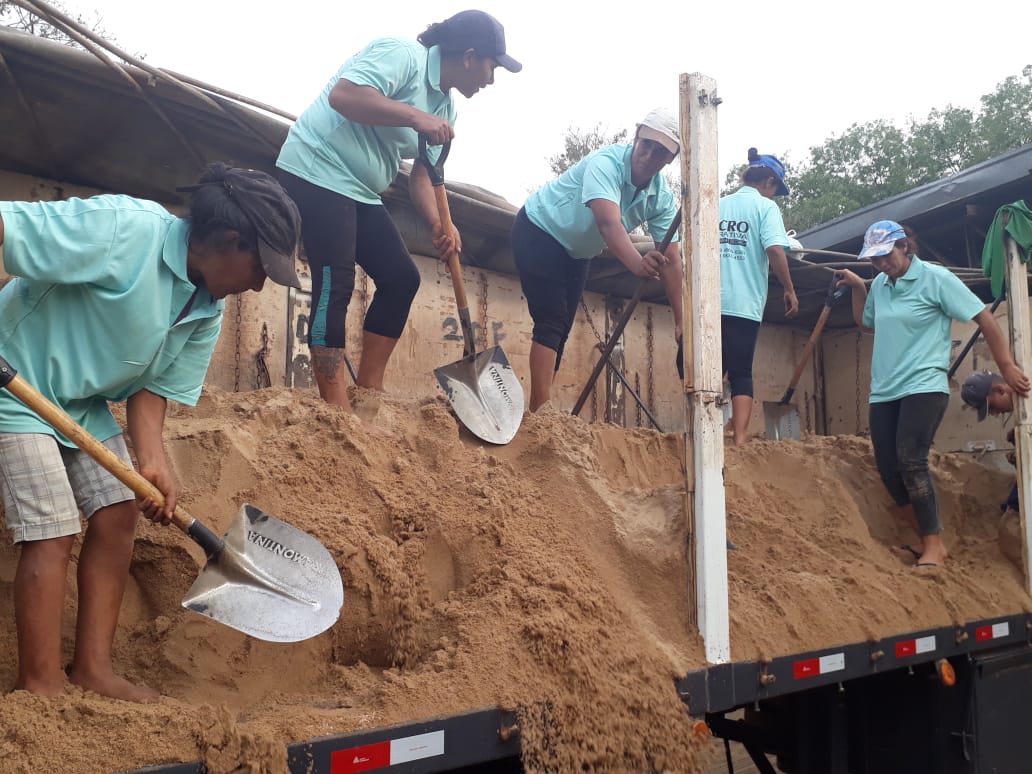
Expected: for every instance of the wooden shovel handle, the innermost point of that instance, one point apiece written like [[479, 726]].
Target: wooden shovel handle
[[454, 266], [63, 423], [807, 351]]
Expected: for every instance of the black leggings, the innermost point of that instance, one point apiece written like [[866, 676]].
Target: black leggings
[[553, 283], [902, 432], [737, 347], [339, 232]]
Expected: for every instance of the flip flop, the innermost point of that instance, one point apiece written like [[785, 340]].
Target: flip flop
[[927, 564], [908, 550]]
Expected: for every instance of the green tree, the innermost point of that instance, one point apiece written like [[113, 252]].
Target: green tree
[[873, 161], [579, 143]]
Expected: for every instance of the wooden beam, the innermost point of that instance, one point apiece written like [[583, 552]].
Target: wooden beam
[[1021, 345], [704, 426]]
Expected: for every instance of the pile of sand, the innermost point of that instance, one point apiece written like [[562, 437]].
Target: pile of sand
[[547, 576]]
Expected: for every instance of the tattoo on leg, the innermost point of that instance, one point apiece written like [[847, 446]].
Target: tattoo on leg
[[327, 362]]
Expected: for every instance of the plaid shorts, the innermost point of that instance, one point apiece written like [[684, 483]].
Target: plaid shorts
[[45, 484]]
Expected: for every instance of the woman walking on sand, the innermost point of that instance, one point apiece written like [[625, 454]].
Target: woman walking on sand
[[910, 307], [347, 148]]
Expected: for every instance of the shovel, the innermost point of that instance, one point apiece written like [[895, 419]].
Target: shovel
[[264, 578], [618, 329], [782, 418], [484, 391]]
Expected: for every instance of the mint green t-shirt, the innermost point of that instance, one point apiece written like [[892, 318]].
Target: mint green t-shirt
[[911, 321], [749, 224], [560, 207], [358, 160], [91, 313]]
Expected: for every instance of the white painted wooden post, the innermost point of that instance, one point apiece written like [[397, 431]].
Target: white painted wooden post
[[1021, 346], [704, 431]]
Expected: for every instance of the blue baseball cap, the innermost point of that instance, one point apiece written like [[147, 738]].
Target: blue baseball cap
[[881, 237], [774, 164]]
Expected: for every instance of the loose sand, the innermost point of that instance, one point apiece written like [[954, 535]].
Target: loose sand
[[546, 576]]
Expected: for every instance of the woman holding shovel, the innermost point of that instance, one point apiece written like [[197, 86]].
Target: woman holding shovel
[[346, 149], [113, 299], [910, 308], [592, 205]]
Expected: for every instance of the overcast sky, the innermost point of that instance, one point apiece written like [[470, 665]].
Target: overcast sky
[[790, 74]]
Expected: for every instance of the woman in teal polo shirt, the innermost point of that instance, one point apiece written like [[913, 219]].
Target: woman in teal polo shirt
[[113, 299], [753, 241], [346, 149], [592, 205], [910, 307]]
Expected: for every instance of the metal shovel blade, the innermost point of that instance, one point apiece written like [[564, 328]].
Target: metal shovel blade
[[782, 421], [485, 394], [271, 581]]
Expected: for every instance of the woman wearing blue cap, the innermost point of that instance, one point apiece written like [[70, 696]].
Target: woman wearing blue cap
[[752, 240], [346, 149], [910, 308]]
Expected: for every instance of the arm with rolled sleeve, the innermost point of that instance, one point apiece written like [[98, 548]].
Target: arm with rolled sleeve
[[600, 191], [959, 303], [182, 378]]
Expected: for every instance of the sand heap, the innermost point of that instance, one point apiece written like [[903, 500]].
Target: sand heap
[[547, 576]]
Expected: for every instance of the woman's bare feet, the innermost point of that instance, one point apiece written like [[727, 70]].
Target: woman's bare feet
[[47, 688], [933, 552], [111, 685]]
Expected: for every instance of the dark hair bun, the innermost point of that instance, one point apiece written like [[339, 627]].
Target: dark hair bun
[[754, 155]]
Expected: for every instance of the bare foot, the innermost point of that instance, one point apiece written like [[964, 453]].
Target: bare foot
[[48, 688], [378, 431], [934, 554], [113, 686]]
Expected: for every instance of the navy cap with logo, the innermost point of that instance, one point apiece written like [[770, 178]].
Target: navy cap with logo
[[484, 34]]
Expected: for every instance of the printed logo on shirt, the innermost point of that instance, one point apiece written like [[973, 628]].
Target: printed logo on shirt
[[733, 232]]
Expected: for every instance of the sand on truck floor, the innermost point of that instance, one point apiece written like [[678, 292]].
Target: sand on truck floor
[[548, 576]]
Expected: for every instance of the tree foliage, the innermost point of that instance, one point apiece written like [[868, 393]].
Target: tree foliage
[[579, 143], [18, 18], [873, 161]]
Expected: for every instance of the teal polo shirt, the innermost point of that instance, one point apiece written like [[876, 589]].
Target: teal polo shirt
[[560, 207], [749, 224], [357, 160], [91, 314], [911, 321]]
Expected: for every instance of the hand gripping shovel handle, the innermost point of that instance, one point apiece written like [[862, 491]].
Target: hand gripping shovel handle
[[834, 294], [436, 173], [624, 319], [60, 421]]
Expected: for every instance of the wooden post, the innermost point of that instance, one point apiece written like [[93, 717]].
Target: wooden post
[[1021, 346], [704, 430]]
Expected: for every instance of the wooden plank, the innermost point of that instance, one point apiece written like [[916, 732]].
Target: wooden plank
[[1021, 346], [704, 432]]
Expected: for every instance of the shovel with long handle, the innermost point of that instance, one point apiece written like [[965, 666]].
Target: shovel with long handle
[[484, 391], [622, 322], [782, 418], [834, 294], [264, 577]]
